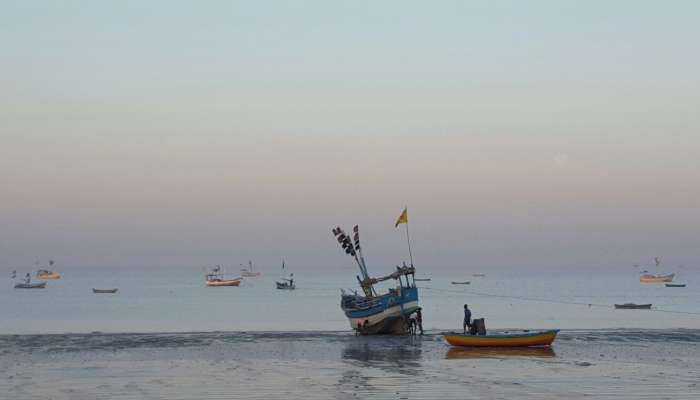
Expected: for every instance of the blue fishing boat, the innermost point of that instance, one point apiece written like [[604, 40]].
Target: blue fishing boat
[[373, 313]]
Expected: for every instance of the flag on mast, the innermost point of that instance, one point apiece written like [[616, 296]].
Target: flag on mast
[[403, 218]]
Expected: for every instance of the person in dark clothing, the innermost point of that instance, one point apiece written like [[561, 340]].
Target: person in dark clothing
[[419, 319], [467, 319]]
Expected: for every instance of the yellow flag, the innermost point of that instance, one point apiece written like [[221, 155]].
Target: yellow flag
[[403, 218]]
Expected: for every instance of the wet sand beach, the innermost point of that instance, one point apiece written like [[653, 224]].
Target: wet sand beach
[[621, 364]]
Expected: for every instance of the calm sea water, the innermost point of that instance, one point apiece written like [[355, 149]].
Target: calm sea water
[[176, 300]]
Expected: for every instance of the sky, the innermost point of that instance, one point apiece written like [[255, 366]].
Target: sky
[[557, 134]]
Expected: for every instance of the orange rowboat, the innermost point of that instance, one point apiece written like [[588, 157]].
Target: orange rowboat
[[506, 339]]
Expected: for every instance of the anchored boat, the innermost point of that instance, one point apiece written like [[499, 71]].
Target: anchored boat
[[216, 278], [504, 339], [675, 285], [46, 274], [649, 278], [370, 312], [106, 291], [633, 306], [25, 285], [248, 272], [286, 283]]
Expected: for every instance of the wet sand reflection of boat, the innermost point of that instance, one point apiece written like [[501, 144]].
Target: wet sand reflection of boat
[[104, 290], [40, 285], [457, 353], [675, 285], [633, 306], [461, 282]]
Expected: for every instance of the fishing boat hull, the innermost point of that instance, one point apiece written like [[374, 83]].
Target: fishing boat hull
[[30, 285], [285, 286], [386, 314], [461, 283], [50, 276], [520, 339], [104, 290], [224, 282], [632, 306], [656, 278], [675, 285]]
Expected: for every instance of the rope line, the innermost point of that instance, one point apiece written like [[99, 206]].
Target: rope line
[[548, 300]]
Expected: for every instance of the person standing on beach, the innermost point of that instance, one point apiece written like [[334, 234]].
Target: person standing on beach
[[419, 319], [467, 319]]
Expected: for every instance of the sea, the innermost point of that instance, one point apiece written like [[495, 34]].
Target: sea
[[165, 335]]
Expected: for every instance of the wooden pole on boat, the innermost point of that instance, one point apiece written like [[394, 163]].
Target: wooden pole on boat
[[408, 239]]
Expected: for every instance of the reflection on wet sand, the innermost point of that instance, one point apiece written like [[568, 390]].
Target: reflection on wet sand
[[499, 352], [383, 352]]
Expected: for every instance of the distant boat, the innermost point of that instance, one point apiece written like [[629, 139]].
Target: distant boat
[[249, 273], [104, 290], [286, 284], [461, 282], [633, 306], [506, 339], [675, 285], [648, 278], [423, 279], [216, 278], [25, 285], [46, 274], [479, 275]]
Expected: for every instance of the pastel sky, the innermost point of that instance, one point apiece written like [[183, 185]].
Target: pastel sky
[[561, 134]]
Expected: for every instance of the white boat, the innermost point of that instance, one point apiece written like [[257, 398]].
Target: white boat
[[248, 272]]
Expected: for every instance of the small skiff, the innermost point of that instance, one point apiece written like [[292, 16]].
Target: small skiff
[[44, 274], [505, 339], [104, 290], [223, 282], [460, 283], [675, 285], [40, 285], [648, 278], [423, 279], [633, 306]]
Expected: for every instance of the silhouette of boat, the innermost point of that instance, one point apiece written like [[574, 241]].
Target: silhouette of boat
[[104, 290], [39, 285], [633, 306], [675, 285], [461, 282]]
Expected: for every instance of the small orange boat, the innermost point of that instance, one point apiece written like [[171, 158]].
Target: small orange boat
[[223, 282], [216, 278], [648, 278], [505, 339]]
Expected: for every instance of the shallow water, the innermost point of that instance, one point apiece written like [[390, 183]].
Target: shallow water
[[176, 300], [630, 364]]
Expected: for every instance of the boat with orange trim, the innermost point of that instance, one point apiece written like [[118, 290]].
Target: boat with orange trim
[[503, 339], [216, 278]]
